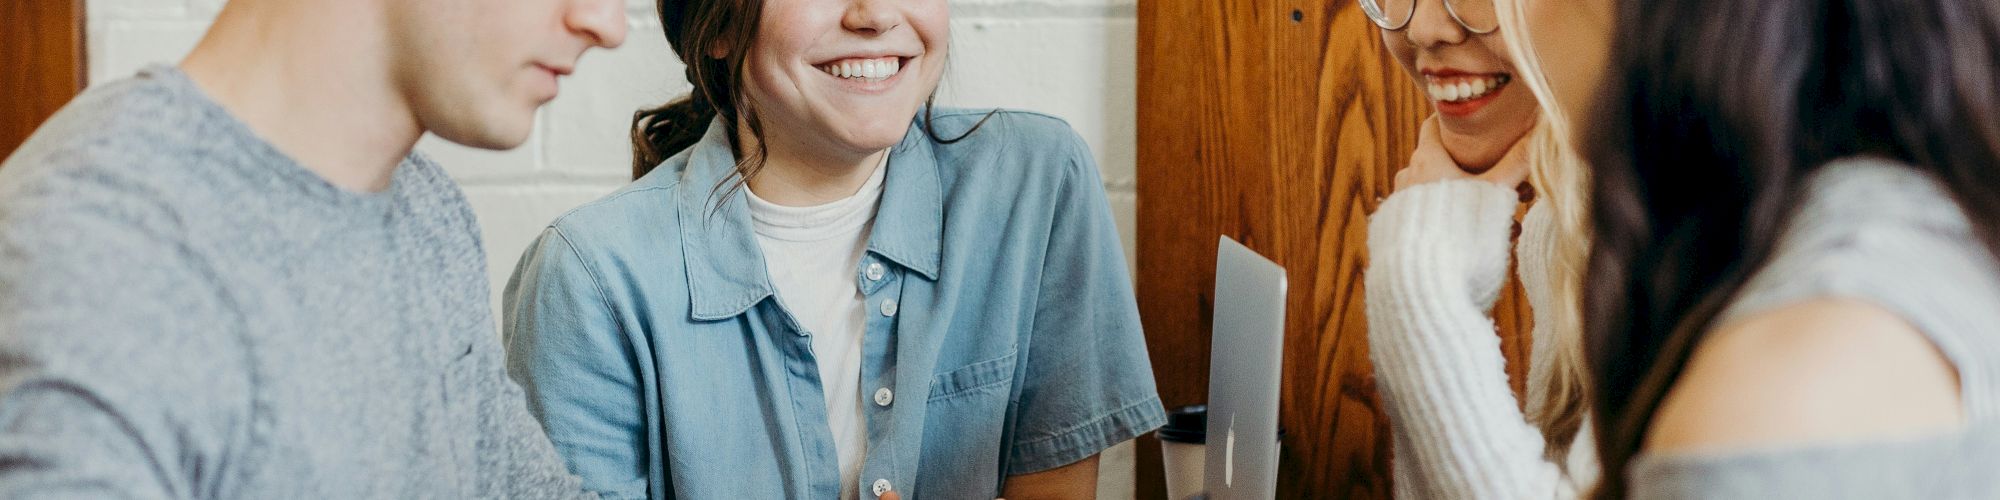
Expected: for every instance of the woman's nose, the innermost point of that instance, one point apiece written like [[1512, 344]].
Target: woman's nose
[[1431, 25]]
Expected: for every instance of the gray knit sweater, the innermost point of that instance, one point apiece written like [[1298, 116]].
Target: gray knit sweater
[[185, 312], [1882, 233], [1869, 230]]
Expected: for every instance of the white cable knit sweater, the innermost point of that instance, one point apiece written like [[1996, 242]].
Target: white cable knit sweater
[[1438, 257]]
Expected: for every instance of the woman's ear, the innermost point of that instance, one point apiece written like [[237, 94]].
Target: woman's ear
[[718, 50]]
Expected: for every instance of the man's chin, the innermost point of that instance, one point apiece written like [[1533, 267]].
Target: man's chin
[[490, 135]]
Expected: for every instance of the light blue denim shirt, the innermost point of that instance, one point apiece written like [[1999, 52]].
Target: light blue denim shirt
[[1002, 326]]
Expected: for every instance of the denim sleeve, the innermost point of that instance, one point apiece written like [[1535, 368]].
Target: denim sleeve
[[1089, 383], [571, 356]]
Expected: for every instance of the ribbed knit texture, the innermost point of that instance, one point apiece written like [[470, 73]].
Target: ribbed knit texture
[[1438, 257]]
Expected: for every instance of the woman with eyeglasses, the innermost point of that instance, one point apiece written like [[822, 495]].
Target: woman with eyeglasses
[[1439, 253]]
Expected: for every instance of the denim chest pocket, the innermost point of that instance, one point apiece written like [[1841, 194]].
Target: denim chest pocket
[[983, 376], [965, 423]]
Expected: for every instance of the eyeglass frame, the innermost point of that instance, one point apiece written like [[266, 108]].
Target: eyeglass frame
[[1373, 10]]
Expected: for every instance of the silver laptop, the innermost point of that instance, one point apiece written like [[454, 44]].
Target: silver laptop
[[1245, 358]]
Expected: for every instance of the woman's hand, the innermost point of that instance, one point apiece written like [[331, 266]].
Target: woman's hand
[[1468, 217], [1431, 163]]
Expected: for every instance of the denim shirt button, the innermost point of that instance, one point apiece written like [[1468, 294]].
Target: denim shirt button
[[881, 486], [884, 396], [875, 271], [888, 307]]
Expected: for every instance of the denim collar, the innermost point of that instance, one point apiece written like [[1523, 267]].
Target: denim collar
[[725, 266]]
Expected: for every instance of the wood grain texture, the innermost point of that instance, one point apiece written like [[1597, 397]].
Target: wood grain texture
[[1279, 123], [42, 53]]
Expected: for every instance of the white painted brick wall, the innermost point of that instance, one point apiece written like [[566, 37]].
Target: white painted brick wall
[[1071, 58]]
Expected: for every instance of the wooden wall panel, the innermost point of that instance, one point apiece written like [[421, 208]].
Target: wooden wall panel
[[1279, 123], [41, 64]]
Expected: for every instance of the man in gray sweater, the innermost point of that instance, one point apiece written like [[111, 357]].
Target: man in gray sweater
[[233, 279]]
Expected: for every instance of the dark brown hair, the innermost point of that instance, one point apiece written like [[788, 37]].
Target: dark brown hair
[[693, 28], [1713, 115]]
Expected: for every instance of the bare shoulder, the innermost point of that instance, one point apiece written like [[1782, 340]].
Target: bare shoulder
[[1819, 371]]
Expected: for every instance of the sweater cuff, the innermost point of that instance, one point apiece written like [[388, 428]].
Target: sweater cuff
[[1457, 229]]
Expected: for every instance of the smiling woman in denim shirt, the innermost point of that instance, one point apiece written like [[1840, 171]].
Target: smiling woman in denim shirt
[[823, 287]]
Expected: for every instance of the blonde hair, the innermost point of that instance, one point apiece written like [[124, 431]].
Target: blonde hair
[[1561, 183]]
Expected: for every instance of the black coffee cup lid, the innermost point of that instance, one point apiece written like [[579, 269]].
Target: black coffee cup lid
[[1187, 424]]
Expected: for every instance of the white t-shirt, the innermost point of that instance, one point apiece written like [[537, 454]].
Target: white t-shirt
[[813, 254]]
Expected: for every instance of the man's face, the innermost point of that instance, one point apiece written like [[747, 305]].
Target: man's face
[[475, 71]]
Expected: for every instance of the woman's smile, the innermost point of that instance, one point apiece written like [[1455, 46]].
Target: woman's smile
[[864, 70], [1461, 94]]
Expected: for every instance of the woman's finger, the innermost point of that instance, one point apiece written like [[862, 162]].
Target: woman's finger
[[1429, 162], [1430, 147]]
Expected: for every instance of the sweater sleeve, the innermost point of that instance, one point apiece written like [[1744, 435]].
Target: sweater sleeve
[[122, 374], [1438, 255]]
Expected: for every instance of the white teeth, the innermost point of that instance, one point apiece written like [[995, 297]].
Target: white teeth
[[1464, 89], [872, 70]]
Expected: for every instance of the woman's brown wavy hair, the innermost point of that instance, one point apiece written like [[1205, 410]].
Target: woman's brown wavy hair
[[1714, 115]]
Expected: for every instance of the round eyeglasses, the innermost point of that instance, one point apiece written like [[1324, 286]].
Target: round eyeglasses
[[1477, 16]]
